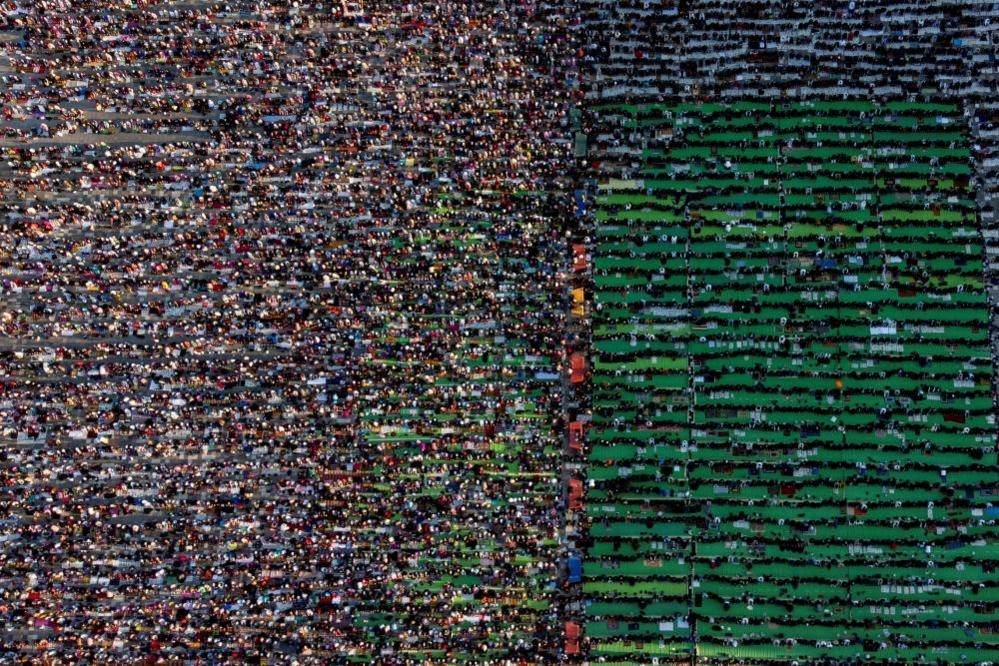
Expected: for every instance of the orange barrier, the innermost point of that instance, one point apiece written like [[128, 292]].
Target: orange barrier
[[580, 260], [578, 302], [577, 368], [576, 436], [575, 495], [572, 634]]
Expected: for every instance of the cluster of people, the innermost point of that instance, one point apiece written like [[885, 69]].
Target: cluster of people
[[305, 310], [791, 444], [281, 331]]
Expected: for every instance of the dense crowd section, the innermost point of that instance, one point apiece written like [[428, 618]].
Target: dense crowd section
[[794, 222], [281, 331], [684, 50], [317, 345], [792, 446], [678, 48]]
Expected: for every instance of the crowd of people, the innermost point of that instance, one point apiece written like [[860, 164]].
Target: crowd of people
[[296, 324], [792, 446], [281, 331], [791, 437]]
